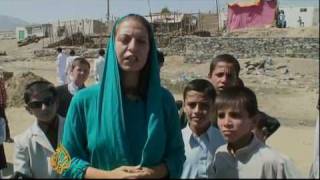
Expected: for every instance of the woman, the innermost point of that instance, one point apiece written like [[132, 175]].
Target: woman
[[127, 126]]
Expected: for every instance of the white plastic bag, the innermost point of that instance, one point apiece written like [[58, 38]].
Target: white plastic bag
[[2, 130]]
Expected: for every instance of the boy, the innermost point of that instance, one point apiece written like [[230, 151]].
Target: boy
[[265, 126], [160, 58], [3, 105], [69, 60], [224, 72], [99, 66], [79, 72], [61, 66], [314, 170], [244, 156], [200, 138], [34, 147]]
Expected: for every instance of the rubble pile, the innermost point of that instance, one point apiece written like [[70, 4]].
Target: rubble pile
[[77, 39], [266, 71], [29, 40], [44, 52], [16, 86], [3, 53]]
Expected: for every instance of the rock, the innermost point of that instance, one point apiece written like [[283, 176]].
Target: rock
[[269, 61], [281, 66], [45, 52], [5, 74], [3, 53], [284, 71]]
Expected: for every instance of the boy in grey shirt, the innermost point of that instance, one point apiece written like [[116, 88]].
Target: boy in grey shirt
[[244, 155]]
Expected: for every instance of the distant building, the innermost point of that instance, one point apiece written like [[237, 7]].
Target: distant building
[[38, 30], [309, 16], [172, 22], [208, 22], [89, 27]]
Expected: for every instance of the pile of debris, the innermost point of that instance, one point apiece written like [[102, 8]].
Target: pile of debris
[[3, 53], [177, 85], [77, 39], [16, 86], [264, 66], [45, 52], [266, 71], [5, 74], [29, 40]]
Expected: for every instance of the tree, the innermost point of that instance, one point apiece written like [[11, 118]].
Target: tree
[[165, 11]]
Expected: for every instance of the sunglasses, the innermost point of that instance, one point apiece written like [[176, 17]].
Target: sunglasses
[[38, 104]]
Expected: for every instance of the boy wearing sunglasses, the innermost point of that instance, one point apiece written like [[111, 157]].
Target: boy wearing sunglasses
[[34, 147]]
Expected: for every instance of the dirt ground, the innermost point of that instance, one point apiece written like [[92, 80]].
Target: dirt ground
[[293, 106]]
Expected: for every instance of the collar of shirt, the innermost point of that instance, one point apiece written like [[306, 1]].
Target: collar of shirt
[[73, 88], [244, 153], [202, 140], [41, 138], [101, 58]]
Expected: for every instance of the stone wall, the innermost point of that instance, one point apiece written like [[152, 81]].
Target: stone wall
[[201, 49]]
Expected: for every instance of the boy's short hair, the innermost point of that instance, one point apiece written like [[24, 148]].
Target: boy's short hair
[[200, 85], [37, 87], [238, 97], [72, 53], [267, 123], [59, 49], [227, 58], [101, 52], [160, 57], [79, 60]]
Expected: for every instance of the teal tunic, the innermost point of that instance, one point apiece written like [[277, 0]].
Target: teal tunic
[[86, 145], [105, 130]]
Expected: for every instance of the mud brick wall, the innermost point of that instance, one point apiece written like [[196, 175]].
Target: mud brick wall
[[200, 49]]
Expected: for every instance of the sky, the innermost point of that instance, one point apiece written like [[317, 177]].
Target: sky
[[44, 11]]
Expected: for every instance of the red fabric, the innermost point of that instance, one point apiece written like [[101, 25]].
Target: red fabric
[[258, 15], [3, 94]]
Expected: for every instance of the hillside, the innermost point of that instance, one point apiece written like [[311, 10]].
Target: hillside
[[8, 23]]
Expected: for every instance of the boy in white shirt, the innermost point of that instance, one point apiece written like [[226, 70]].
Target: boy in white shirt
[[61, 66], [244, 155], [200, 138], [314, 170], [70, 58], [99, 66], [34, 146]]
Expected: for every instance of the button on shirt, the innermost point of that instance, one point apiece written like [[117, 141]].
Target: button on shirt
[[199, 151]]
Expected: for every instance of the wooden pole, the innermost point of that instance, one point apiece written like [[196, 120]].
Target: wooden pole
[[108, 10], [71, 33], [217, 5], [150, 10]]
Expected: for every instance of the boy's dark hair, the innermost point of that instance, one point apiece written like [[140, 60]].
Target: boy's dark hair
[[160, 57], [267, 123], [101, 52], [200, 85], [79, 60], [238, 97], [59, 49], [38, 86], [227, 58], [72, 53]]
